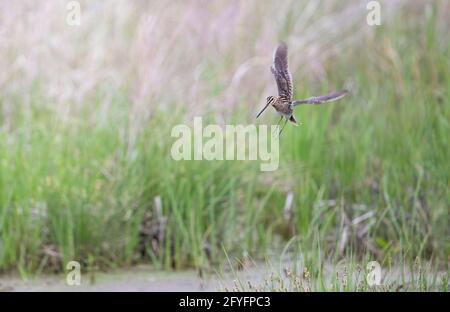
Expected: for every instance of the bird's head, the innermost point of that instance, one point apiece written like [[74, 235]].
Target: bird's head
[[270, 101]]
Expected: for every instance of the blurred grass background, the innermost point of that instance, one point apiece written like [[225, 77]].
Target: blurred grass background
[[86, 113]]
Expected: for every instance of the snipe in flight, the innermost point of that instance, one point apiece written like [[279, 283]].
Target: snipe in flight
[[283, 103]]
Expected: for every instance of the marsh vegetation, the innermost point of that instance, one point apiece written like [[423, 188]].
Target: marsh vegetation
[[86, 114]]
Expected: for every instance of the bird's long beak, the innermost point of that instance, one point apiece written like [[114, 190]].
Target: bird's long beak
[[262, 110]]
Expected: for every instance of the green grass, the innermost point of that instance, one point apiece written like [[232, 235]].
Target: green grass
[[84, 187]]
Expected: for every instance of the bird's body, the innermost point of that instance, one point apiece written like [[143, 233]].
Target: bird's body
[[283, 103], [283, 106]]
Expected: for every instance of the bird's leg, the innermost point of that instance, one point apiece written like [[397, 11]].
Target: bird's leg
[[277, 125], [283, 127]]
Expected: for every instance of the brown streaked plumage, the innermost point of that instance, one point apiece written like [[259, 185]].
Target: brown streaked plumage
[[283, 103]]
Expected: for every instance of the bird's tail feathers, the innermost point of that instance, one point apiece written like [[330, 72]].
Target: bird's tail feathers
[[293, 120]]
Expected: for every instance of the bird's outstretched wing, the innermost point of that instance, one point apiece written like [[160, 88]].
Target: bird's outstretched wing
[[333, 96], [281, 71]]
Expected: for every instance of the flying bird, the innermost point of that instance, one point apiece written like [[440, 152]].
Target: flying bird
[[283, 103]]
